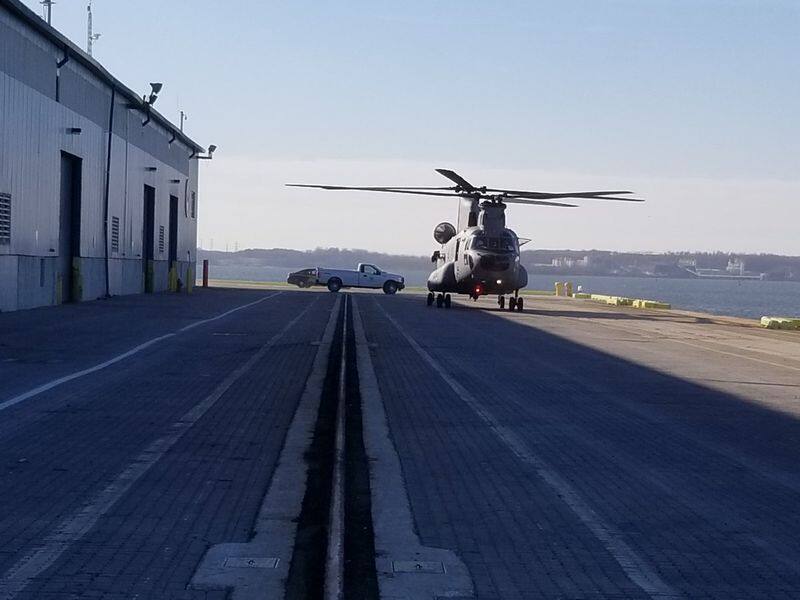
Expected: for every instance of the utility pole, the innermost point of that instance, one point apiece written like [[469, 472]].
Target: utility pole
[[183, 118], [47, 5], [90, 36]]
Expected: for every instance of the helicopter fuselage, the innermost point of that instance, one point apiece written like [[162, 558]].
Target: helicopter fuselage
[[476, 264], [481, 259]]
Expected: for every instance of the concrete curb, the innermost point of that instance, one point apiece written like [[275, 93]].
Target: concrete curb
[[406, 569]]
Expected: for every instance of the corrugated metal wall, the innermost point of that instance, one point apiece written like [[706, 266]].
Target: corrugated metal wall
[[35, 128]]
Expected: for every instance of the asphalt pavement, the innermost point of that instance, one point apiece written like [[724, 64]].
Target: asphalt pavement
[[569, 451]]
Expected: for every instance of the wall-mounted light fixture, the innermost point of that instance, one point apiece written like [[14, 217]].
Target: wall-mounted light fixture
[[151, 169], [174, 180], [155, 89], [74, 130], [211, 149]]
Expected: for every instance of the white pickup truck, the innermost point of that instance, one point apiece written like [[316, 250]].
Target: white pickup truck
[[365, 276]]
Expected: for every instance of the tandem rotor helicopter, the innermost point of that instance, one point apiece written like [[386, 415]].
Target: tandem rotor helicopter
[[481, 257]]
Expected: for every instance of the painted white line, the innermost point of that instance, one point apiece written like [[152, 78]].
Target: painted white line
[[74, 527], [228, 312], [636, 568], [56, 382]]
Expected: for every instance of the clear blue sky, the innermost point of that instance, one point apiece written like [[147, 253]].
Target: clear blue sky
[[692, 103]]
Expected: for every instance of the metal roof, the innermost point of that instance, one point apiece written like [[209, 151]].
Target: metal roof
[[33, 20]]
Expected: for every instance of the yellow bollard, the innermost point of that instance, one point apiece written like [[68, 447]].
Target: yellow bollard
[[559, 288], [569, 288]]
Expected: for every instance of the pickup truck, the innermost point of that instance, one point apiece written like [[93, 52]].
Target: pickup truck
[[365, 276]]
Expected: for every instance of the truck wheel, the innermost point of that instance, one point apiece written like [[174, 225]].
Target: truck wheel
[[390, 287], [334, 284]]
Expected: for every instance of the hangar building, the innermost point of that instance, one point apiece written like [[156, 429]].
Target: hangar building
[[98, 191]]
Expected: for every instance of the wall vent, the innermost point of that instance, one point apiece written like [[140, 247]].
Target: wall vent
[[114, 234], [5, 218], [161, 239]]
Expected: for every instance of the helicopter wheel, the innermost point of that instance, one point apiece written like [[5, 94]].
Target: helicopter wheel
[[439, 301], [431, 298], [447, 300], [519, 305], [512, 303], [502, 302]]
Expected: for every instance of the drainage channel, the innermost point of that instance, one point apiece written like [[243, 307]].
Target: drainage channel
[[334, 553]]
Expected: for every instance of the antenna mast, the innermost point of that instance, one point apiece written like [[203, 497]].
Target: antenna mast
[[90, 36]]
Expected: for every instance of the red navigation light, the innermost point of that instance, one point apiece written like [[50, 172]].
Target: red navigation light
[[478, 289]]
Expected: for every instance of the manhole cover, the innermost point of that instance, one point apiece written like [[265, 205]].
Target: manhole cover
[[417, 566], [248, 562]]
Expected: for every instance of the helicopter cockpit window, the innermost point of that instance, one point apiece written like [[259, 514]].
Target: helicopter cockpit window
[[504, 243]]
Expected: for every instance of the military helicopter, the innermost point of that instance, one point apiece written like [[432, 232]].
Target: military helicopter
[[481, 257]]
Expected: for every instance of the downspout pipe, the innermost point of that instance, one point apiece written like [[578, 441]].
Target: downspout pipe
[[108, 185]]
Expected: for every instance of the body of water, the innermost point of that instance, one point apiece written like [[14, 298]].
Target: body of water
[[740, 298]]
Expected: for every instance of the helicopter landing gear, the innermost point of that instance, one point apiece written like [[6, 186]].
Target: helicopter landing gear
[[501, 301], [512, 304], [431, 298], [519, 304], [442, 300]]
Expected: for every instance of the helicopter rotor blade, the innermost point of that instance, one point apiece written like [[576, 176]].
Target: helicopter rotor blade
[[459, 192], [577, 195], [551, 195], [516, 200], [416, 191], [378, 188], [457, 179]]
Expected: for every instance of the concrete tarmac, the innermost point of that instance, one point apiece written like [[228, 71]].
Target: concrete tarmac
[[573, 450]]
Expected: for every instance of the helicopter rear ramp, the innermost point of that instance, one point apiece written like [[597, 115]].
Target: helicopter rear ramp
[[182, 447]]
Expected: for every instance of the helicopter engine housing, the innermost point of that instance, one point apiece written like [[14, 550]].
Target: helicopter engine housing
[[444, 232]]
